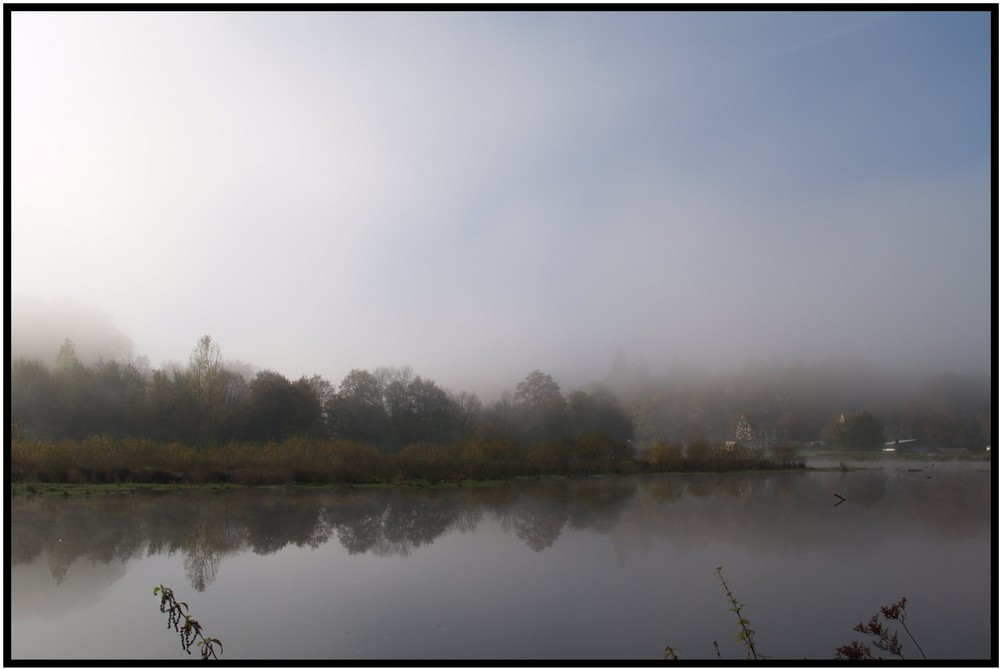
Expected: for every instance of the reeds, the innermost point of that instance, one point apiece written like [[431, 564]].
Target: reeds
[[311, 461]]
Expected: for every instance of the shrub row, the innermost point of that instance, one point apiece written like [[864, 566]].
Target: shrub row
[[306, 461]]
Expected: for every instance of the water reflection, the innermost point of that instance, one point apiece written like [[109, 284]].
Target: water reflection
[[780, 512]]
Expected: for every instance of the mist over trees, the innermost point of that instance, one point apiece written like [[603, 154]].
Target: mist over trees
[[781, 402], [39, 326], [212, 401]]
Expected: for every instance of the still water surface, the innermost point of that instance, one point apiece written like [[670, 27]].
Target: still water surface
[[605, 568]]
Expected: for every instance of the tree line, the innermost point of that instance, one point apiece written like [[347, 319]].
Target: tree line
[[211, 401], [844, 404]]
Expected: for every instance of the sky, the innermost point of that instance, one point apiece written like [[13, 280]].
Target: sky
[[481, 194]]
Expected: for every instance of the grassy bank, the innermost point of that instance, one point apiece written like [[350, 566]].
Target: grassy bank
[[87, 489]]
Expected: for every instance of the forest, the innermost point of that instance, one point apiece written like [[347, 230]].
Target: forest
[[685, 416]]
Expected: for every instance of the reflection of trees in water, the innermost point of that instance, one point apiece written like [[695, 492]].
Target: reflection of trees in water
[[202, 526], [393, 524], [538, 515], [702, 486], [358, 523], [60, 558], [468, 520], [599, 502], [201, 564], [539, 531], [534, 523], [207, 530], [763, 512], [65, 531], [740, 488], [543, 510], [669, 489], [409, 522], [278, 518]]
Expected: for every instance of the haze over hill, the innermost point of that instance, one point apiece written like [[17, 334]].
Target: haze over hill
[[478, 195]]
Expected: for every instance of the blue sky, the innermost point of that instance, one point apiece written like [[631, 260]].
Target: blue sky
[[478, 195]]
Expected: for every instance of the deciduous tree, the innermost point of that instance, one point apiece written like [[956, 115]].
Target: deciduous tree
[[277, 409], [541, 408], [210, 382], [360, 413], [861, 431]]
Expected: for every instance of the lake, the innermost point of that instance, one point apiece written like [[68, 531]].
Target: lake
[[604, 568]]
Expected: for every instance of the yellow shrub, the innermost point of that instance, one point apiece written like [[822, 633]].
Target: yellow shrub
[[664, 456]]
